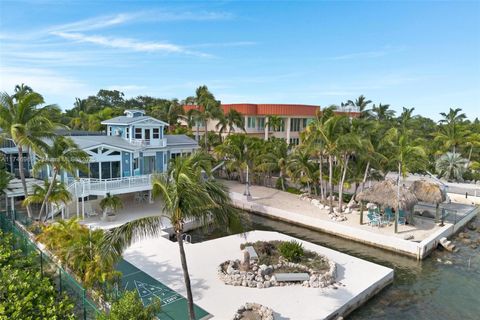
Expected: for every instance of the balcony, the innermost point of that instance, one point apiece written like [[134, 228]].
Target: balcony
[[149, 142]]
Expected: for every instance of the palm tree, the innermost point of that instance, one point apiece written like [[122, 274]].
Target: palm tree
[[274, 159], [110, 202], [451, 131], [229, 121], [186, 195], [53, 194], [5, 177], [274, 123], [404, 155], [208, 109], [169, 111], [239, 151], [382, 112], [62, 155], [361, 103], [451, 166], [300, 167], [23, 121], [331, 134]]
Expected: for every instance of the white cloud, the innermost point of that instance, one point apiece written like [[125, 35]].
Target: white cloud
[[96, 23], [129, 44], [44, 81]]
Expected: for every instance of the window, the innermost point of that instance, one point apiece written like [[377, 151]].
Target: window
[[109, 131], [114, 153], [294, 141], [295, 124], [127, 133], [138, 133], [251, 122], [261, 123], [156, 133], [305, 122], [94, 170]]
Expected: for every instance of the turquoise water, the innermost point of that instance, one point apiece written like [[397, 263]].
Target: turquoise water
[[430, 289]]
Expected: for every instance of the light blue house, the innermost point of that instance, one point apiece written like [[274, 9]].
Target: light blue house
[[134, 145]]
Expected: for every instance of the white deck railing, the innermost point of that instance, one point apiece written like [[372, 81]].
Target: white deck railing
[[87, 186]]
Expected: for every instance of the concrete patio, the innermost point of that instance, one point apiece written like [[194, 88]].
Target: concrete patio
[[357, 280]]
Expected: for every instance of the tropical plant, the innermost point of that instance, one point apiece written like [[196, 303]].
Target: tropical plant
[[208, 109], [23, 121], [291, 250], [361, 103], [273, 158], [231, 120], [24, 292], [451, 132], [62, 155], [5, 177], [113, 203], [275, 123], [239, 151], [186, 195], [49, 194], [382, 112], [170, 111], [83, 251], [300, 167], [130, 307], [451, 166]]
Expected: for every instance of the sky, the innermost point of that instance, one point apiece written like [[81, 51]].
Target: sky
[[421, 54]]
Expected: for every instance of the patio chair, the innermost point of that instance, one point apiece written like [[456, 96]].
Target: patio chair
[[389, 215], [373, 219], [401, 217]]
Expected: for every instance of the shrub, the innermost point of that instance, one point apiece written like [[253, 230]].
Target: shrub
[[130, 307], [24, 292], [264, 248], [291, 250]]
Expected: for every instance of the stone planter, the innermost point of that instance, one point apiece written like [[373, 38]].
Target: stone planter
[[263, 276]]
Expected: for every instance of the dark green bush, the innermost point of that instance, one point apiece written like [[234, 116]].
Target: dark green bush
[[291, 250]]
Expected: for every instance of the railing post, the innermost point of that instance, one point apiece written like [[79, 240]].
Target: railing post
[[84, 305]]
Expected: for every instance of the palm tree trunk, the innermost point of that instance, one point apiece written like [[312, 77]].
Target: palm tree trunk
[[206, 134], [21, 171], [397, 212], [197, 133], [330, 180], [340, 187], [186, 276], [367, 170], [469, 157], [320, 169], [47, 195]]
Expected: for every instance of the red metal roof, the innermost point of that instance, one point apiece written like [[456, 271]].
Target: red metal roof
[[272, 109]]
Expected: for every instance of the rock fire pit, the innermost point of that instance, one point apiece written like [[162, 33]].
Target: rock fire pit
[[253, 311]]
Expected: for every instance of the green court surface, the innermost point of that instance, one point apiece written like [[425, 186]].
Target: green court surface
[[174, 305]]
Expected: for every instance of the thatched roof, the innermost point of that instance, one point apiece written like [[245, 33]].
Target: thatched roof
[[427, 191], [385, 194]]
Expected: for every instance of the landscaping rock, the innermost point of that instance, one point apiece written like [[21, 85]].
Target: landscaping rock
[[472, 226]]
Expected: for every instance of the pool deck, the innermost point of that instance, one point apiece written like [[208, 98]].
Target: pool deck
[[357, 280], [276, 204]]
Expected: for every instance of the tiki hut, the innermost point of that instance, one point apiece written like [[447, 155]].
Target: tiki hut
[[427, 191], [385, 194]]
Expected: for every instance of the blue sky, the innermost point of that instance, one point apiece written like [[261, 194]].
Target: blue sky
[[415, 54]]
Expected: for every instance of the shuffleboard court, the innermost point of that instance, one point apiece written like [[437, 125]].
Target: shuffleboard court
[[174, 305]]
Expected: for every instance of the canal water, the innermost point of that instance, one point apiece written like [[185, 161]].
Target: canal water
[[443, 286]]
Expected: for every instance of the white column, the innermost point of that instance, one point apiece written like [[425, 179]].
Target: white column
[[83, 206], [150, 200], [266, 128], [76, 200], [12, 204], [288, 130]]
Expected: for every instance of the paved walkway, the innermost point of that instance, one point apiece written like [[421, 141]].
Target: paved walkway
[[290, 202]]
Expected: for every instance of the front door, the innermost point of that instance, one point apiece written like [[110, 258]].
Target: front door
[[149, 164], [147, 136]]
